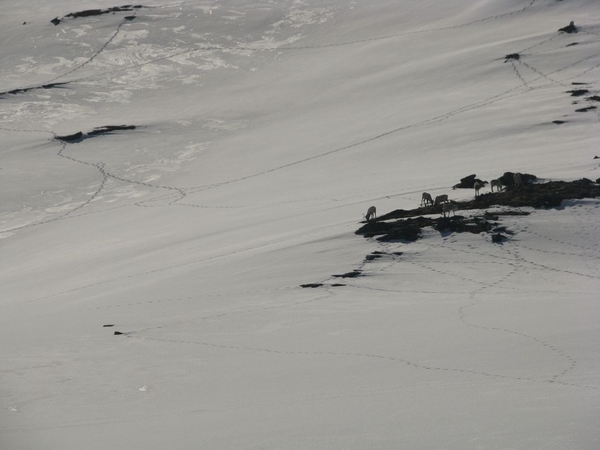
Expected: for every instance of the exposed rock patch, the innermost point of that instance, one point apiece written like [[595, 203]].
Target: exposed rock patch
[[99, 12], [108, 129], [42, 86], [571, 28], [409, 224]]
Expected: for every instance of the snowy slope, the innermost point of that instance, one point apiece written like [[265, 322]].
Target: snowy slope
[[264, 130]]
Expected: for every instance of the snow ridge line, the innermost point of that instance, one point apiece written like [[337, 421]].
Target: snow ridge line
[[41, 85], [572, 363], [222, 48], [105, 175], [437, 119], [183, 264], [94, 55], [362, 355], [233, 313], [515, 266], [408, 33], [501, 96]]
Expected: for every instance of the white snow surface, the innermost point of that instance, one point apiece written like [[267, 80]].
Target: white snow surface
[[265, 129]]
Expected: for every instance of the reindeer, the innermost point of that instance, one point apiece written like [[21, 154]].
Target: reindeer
[[518, 180], [448, 207], [441, 199], [478, 185], [371, 213], [426, 199], [497, 183]]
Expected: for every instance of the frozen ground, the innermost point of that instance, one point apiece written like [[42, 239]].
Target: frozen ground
[[264, 130]]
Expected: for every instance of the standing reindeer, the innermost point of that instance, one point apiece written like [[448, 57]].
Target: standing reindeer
[[478, 185], [518, 180], [497, 183], [371, 213]]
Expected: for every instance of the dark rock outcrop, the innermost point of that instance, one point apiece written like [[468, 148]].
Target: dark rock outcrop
[[571, 28]]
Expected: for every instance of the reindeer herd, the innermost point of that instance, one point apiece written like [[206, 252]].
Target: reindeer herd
[[448, 206]]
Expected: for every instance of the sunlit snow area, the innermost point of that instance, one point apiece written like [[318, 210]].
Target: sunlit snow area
[[151, 275]]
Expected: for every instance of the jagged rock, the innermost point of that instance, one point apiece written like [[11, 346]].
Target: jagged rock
[[466, 182], [409, 223], [578, 92], [586, 109], [311, 285], [593, 98], [512, 56], [571, 28], [55, 21]]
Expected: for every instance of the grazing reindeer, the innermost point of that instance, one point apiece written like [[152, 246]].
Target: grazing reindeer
[[497, 183], [426, 199], [441, 199], [518, 180], [448, 207], [371, 213], [478, 185]]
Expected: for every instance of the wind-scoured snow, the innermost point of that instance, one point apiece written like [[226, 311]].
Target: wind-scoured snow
[[151, 273]]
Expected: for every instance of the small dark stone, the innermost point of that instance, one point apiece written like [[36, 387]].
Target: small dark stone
[[338, 285], [593, 98], [596, 157], [130, 18], [311, 285], [55, 21], [109, 325], [558, 122], [118, 333], [372, 257], [589, 108], [513, 56], [24, 23], [572, 44]]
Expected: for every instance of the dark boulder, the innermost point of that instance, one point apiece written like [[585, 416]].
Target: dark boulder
[[508, 179]]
